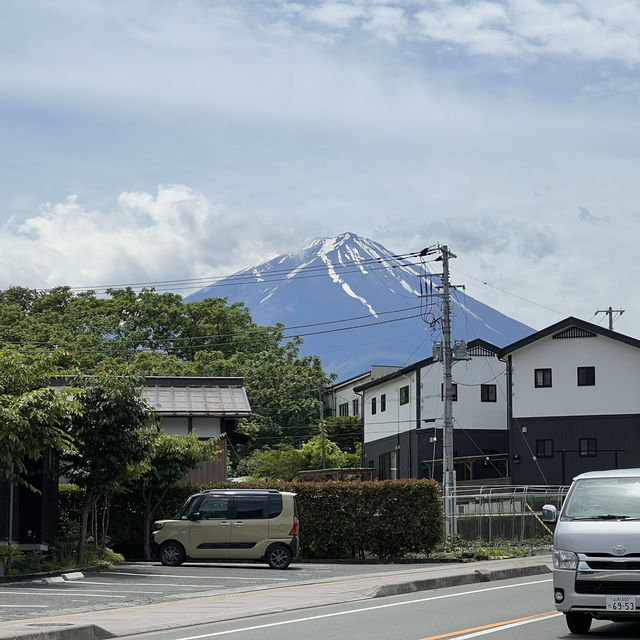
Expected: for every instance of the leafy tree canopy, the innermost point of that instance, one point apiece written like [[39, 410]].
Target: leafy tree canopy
[[158, 334], [33, 417]]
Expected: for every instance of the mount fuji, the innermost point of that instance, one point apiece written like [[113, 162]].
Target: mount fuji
[[356, 304]]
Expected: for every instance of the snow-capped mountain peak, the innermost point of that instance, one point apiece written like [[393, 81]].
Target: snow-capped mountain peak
[[355, 303]]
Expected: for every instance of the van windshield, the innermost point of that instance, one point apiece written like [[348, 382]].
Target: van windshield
[[603, 499], [186, 508]]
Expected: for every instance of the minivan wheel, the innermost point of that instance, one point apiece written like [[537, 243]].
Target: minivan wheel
[[578, 622], [279, 556], [171, 553]]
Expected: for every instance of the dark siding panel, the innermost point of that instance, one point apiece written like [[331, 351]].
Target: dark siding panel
[[621, 433]]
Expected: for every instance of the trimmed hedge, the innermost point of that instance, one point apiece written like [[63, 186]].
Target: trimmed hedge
[[338, 520]]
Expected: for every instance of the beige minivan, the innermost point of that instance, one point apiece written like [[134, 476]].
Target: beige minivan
[[230, 524]]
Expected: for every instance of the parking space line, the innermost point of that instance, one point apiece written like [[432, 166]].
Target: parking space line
[[176, 576], [149, 584], [65, 593]]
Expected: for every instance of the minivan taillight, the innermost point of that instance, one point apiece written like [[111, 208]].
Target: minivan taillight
[[294, 529]]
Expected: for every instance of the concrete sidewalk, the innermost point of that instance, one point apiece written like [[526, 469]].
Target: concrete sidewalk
[[216, 606]]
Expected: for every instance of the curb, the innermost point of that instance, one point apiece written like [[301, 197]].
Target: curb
[[479, 575], [69, 632]]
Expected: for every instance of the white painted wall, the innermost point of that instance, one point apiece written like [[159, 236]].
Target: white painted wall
[[617, 368], [396, 418], [468, 411], [203, 426]]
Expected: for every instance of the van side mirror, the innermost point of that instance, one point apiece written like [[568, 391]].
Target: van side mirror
[[549, 513], [196, 515]]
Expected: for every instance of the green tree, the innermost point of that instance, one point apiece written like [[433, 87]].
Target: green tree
[[112, 434], [33, 417], [169, 458], [345, 431]]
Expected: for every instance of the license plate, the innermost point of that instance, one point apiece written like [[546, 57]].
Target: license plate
[[621, 603]]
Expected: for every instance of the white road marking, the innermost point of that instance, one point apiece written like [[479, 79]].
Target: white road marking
[[151, 584], [175, 576], [363, 610], [65, 593], [24, 606]]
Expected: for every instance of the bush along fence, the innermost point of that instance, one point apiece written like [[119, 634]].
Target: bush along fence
[[338, 520]]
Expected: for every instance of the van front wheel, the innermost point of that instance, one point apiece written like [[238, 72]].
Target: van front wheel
[[279, 556], [171, 553], [578, 622]]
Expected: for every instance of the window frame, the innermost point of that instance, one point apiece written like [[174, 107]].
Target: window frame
[[541, 452], [404, 394], [343, 407], [374, 408], [543, 384], [590, 379], [486, 392], [588, 452], [383, 402]]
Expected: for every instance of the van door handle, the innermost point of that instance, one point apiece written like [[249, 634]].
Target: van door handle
[[239, 524], [225, 524]]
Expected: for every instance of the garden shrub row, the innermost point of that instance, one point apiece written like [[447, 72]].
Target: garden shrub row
[[338, 520]]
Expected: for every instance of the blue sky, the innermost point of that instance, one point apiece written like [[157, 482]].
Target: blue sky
[[148, 140]]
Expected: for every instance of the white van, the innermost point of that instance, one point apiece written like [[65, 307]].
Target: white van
[[596, 548]]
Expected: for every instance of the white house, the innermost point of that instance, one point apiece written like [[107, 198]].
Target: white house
[[404, 416], [340, 398], [574, 402]]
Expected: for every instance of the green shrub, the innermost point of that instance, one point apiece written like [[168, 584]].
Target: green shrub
[[338, 520]]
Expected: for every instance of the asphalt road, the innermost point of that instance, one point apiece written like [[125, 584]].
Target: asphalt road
[[146, 583], [519, 608]]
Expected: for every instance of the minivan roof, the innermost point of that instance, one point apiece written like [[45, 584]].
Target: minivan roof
[[610, 473]]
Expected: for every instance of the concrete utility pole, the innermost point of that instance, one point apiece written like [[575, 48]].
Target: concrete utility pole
[[610, 313], [324, 454], [447, 357], [448, 469]]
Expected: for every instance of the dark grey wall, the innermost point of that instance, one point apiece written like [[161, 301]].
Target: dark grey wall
[[617, 437], [414, 448]]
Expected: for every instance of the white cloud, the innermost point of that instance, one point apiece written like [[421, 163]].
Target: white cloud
[[175, 234]]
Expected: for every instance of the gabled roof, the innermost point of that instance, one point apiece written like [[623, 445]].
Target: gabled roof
[[191, 396], [478, 344], [220, 397], [563, 325]]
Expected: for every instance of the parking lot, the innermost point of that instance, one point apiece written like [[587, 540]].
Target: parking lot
[[143, 583]]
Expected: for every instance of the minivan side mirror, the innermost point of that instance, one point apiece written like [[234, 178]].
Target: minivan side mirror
[[196, 515], [549, 513]]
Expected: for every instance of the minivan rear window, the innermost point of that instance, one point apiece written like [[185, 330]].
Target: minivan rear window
[[250, 507], [275, 505]]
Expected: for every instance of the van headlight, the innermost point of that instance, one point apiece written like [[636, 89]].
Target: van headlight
[[156, 526], [565, 560]]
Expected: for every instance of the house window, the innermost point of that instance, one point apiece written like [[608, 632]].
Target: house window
[[586, 376], [373, 406], [343, 409], [383, 402], [487, 393], [542, 378], [404, 395], [544, 448], [356, 406], [588, 447], [454, 392]]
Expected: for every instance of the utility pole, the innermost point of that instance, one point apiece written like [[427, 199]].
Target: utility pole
[[610, 313], [324, 454], [448, 469], [447, 356]]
